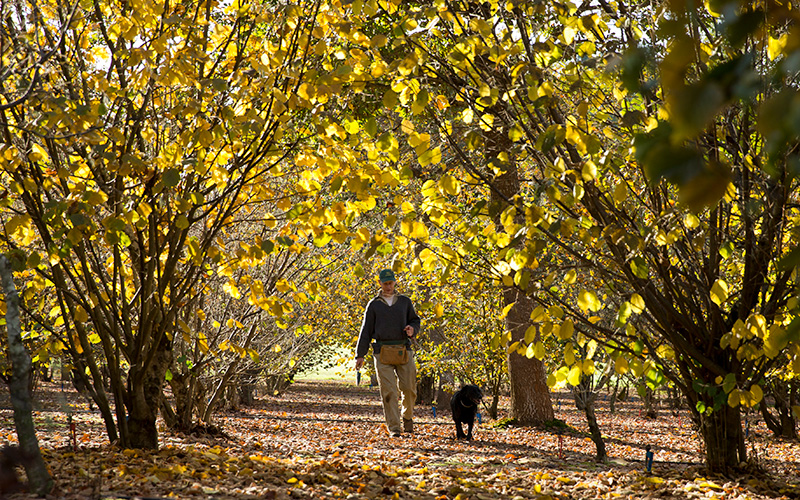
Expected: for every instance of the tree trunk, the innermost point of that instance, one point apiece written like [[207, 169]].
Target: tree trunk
[[724, 440], [530, 395], [784, 425], [495, 397], [39, 478], [594, 429], [184, 407], [650, 410], [613, 399], [145, 391], [425, 389]]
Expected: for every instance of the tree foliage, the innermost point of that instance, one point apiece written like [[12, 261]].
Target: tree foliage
[[621, 174]]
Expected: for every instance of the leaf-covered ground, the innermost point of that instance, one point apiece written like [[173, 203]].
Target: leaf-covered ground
[[325, 439]]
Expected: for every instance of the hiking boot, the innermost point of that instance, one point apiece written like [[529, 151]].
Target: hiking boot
[[408, 425], [394, 434]]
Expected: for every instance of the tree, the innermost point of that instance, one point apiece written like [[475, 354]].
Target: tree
[[686, 237], [40, 481], [145, 130]]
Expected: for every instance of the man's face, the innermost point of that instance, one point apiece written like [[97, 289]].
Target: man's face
[[387, 287]]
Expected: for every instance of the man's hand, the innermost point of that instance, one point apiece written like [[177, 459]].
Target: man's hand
[[359, 363], [409, 330]]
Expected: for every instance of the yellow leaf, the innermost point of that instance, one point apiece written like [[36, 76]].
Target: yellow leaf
[[589, 171], [202, 342], [530, 352], [733, 398], [450, 185], [756, 395], [566, 330], [637, 303], [588, 301], [80, 314], [776, 46], [621, 365], [505, 311], [574, 377], [530, 334], [621, 192], [719, 292], [231, 289], [37, 153], [569, 355], [570, 277], [539, 351]]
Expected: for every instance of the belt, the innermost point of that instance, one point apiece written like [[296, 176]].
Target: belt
[[391, 342]]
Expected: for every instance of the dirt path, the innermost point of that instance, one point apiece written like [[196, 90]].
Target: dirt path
[[326, 439]]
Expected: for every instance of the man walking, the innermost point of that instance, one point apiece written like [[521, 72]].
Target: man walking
[[390, 320]]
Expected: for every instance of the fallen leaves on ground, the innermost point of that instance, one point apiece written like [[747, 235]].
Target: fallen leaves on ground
[[325, 439]]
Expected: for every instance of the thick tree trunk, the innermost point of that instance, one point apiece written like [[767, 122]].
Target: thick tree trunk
[[724, 440], [39, 478], [530, 395], [181, 391], [145, 391]]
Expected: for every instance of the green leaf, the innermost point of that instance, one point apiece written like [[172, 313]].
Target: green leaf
[[639, 267], [729, 382], [790, 261], [171, 177], [390, 100], [371, 127]]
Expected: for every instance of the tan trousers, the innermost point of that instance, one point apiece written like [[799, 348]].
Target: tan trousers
[[389, 377]]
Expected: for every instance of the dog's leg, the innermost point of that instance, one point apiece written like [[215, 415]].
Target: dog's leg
[[469, 429], [459, 430]]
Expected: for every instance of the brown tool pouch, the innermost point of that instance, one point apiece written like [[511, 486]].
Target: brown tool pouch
[[393, 354]]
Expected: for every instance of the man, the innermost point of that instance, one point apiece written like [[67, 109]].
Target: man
[[390, 319]]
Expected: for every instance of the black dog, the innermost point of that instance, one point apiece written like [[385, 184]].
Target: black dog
[[465, 405]]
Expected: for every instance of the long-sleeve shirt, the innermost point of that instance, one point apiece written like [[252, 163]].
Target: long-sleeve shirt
[[383, 322]]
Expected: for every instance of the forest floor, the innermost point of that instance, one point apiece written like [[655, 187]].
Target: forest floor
[[326, 439]]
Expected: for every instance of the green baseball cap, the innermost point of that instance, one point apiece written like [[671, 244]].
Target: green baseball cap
[[386, 275]]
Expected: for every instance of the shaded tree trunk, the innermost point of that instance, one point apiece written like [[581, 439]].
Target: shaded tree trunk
[[612, 400], [649, 400], [784, 396], [722, 433], [425, 389], [145, 393], [39, 478]]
